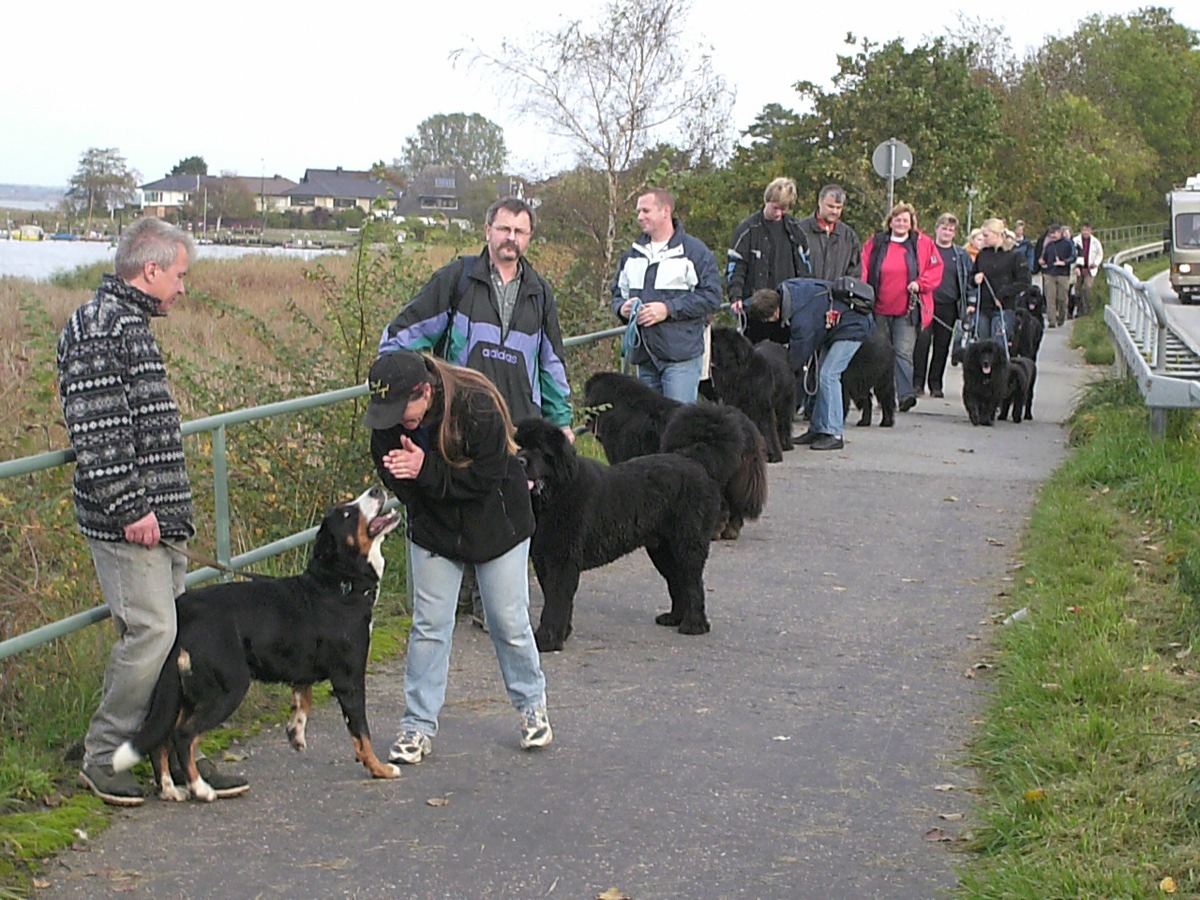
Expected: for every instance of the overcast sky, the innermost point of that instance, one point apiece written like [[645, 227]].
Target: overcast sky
[[269, 88]]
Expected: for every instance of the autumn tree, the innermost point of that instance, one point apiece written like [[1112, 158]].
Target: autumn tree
[[613, 89], [103, 182], [469, 142]]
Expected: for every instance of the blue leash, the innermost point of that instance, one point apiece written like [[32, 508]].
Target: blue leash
[[633, 337]]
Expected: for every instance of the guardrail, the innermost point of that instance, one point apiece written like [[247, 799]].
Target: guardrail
[[216, 426], [1164, 363]]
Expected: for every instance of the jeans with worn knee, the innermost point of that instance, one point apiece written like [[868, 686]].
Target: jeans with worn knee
[[504, 586], [828, 413], [903, 335], [140, 585], [677, 380]]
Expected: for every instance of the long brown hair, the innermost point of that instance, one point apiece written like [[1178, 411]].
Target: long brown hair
[[451, 382]]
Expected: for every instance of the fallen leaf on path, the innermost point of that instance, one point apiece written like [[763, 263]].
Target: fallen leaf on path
[[1035, 795], [950, 817], [438, 801], [1168, 886], [936, 834], [950, 499], [781, 737], [613, 894], [995, 543], [945, 787]]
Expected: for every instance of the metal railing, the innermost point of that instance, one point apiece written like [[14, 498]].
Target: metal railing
[[216, 426], [1164, 362]]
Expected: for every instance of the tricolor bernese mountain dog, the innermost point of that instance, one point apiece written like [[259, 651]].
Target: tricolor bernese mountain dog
[[296, 630]]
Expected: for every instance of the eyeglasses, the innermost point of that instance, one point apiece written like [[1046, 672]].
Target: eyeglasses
[[507, 231]]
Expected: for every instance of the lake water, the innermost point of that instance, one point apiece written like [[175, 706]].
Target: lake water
[[38, 260]]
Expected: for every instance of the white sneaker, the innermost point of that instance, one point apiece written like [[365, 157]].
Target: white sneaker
[[535, 729], [410, 748]]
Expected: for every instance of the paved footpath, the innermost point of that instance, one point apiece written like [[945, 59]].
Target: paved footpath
[[803, 749]]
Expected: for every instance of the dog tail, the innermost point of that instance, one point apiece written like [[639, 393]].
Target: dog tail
[[160, 720], [729, 447]]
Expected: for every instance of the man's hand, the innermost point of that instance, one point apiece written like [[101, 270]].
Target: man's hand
[[652, 313], [144, 531], [406, 460], [569, 432], [736, 306]]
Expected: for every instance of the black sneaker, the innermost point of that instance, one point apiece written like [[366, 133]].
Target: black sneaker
[[827, 442], [936, 392], [807, 438], [115, 788], [907, 403]]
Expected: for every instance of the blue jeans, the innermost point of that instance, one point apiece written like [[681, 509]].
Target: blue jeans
[[903, 335], [504, 586], [989, 326], [677, 380], [828, 412], [140, 585]]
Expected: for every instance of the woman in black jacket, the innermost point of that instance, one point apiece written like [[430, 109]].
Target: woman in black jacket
[[1000, 275], [442, 441]]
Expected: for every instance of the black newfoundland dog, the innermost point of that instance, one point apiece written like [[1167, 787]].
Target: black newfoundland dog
[[985, 381], [872, 369], [631, 420], [1027, 334], [758, 380], [1022, 375], [589, 514]]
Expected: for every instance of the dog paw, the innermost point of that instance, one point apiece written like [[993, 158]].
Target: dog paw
[[692, 626], [203, 791], [668, 619], [547, 643], [297, 740], [174, 794]]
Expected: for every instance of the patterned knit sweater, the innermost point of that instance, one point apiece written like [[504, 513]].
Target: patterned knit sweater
[[121, 418]]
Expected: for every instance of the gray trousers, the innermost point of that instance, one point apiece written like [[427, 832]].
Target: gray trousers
[[140, 586]]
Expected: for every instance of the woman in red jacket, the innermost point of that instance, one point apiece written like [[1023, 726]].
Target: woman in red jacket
[[904, 266]]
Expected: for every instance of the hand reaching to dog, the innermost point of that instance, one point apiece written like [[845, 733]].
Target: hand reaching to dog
[[406, 460]]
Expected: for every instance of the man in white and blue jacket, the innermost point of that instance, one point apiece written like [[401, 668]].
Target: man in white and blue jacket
[[668, 284]]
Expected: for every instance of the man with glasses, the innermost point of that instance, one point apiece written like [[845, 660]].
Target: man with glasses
[[494, 313], [767, 249]]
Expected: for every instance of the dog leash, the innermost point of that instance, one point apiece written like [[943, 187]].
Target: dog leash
[[210, 562]]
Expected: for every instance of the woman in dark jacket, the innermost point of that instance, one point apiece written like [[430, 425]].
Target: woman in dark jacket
[[442, 441], [1000, 275]]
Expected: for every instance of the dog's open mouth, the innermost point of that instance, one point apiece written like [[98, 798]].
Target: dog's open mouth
[[987, 368], [536, 487], [383, 524]]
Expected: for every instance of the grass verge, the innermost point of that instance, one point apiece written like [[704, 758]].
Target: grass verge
[[1090, 748]]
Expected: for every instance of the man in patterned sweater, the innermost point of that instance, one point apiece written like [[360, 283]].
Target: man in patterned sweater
[[131, 490]]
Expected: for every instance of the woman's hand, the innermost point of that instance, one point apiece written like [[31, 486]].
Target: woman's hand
[[979, 278], [914, 287], [406, 460]]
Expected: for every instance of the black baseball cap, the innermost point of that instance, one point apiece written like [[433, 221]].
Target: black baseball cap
[[393, 378]]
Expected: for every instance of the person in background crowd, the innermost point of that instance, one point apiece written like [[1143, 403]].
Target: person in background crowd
[[833, 247], [998, 276], [974, 243], [441, 440], [496, 314], [133, 498], [1089, 254], [1055, 262], [767, 249], [1022, 243], [950, 299], [668, 283], [903, 266]]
